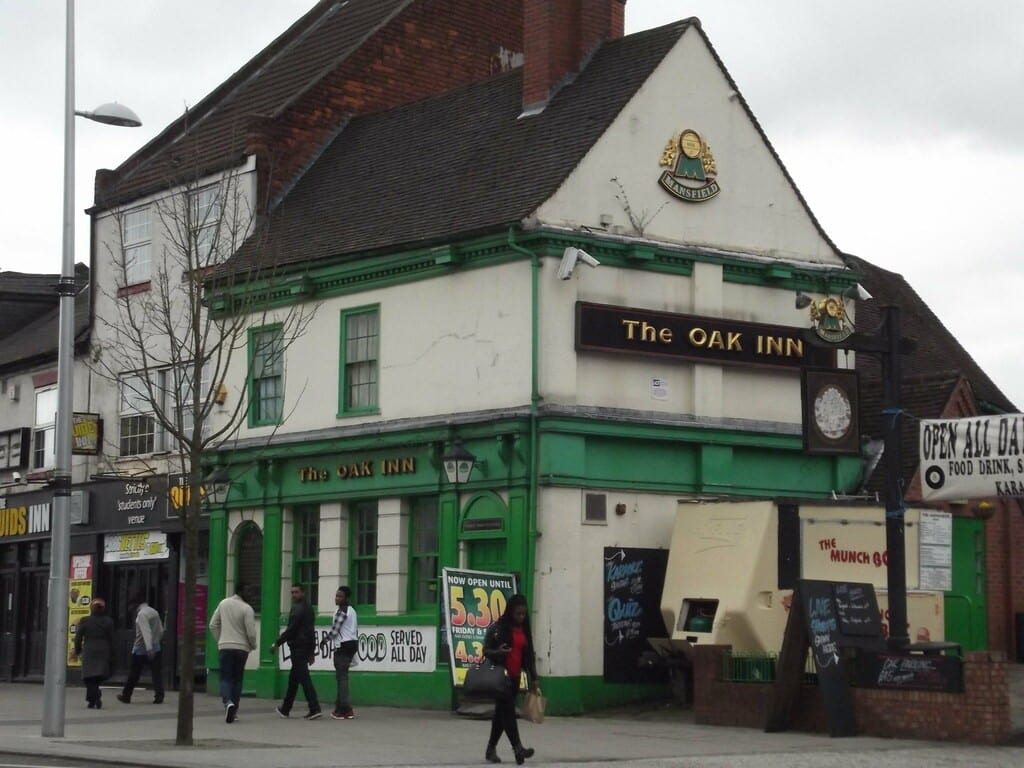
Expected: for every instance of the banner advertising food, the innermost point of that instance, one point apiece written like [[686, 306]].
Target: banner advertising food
[[144, 545], [404, 648], [473, 600], [79, 599], [974, 458]]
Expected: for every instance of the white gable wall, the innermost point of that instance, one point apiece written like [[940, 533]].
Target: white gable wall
[[757, 210]]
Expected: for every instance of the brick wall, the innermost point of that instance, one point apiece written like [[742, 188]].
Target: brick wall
[[431, 47], [980, 715]]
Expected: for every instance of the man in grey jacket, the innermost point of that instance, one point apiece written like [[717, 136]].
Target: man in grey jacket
[[233, 625], [149, 633]]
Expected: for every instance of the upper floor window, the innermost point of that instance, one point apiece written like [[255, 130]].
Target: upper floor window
[[136, 238], [359, 350], [139, 432], [206, 218], [44, 430], [180, 395], [266, 384]]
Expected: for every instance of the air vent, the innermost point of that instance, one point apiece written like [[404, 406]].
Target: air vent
[[595, 508]]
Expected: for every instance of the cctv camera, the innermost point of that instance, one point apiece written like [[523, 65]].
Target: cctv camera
[[570, 257], [16, 477]]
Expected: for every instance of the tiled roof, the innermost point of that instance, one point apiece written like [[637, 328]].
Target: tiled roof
[[930, 372], [34, 340], [458, 163], [212, 134]]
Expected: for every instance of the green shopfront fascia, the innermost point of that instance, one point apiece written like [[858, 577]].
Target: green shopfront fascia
[[376, 512]]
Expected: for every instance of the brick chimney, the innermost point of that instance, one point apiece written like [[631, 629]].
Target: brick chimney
[[558, 35]]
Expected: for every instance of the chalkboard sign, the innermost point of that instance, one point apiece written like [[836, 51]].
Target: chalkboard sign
[[633, 581], [910, 672], [857, 610]]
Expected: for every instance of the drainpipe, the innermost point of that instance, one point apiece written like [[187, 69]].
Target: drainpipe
[[531, 524]]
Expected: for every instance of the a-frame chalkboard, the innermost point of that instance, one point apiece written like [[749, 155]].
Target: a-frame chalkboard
[[825, 616]]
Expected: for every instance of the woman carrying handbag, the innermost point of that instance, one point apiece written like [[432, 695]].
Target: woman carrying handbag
[[509, 643]]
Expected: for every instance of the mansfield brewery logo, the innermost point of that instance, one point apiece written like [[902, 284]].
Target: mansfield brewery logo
[[830, 320], [691, 168]]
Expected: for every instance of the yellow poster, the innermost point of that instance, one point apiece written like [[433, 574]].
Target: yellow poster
[[79, 599]]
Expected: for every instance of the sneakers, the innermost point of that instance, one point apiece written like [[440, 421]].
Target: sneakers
[[281, 712], [350, 715], [230, 712], [314, 715]]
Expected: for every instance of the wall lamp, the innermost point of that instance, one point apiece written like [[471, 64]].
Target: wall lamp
[[458, 463], [802, 301]]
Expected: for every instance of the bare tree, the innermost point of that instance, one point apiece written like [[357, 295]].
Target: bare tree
[[171, 347]]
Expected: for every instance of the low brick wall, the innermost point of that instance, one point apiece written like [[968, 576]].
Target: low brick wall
[[980, 715]]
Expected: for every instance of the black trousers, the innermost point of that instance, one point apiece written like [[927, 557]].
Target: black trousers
[[140, 660], [299, 675], [92, 689], [505, 717]]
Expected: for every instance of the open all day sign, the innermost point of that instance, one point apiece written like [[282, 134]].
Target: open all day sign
[[973, 458]]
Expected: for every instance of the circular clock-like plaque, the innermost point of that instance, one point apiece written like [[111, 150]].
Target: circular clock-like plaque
[[832, 412], [691, 144]]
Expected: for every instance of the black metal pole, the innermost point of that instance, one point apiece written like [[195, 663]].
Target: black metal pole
[[896, 565]]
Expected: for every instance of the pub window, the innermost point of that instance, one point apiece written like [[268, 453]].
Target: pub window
[[359, 348], [249, 563], [364, 552], [266, 381], [43, 445], [423, 553], [136, 239], [306, 560]]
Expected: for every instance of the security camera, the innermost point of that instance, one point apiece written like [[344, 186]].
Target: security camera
[[858, 292], [16, 477], [570, 258]]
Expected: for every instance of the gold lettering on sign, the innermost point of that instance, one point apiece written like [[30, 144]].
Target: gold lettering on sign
[[648, 332], [698, 337]]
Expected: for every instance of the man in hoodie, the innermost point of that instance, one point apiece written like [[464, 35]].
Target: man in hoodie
[[233, 625], [149, 633], [300, 635]]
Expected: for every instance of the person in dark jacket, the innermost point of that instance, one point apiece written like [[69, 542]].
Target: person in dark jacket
[[301, 638], [509, 642], [94, 645]]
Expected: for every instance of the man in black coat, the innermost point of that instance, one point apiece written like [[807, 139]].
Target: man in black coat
[[301, 638]]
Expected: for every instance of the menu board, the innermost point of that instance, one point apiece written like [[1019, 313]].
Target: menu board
[[857, 610], [633, 581]]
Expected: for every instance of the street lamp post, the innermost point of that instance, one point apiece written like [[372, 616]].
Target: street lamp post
[[60, 532]]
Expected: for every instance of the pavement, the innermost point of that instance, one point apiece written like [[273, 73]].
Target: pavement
[[142, 733]]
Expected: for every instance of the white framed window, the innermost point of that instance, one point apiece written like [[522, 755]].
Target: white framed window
[[136, 237], [44, 429], [140, 432], [138, 426], [184, 399], [206, 216]]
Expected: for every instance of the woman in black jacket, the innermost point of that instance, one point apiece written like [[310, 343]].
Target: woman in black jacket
[[94, 645], [509, 643]]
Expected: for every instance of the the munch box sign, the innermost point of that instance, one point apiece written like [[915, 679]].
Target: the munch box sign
[[973, 458]]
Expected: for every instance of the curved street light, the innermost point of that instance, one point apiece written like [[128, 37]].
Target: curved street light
[[60, 532]]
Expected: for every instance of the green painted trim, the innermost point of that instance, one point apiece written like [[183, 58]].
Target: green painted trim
[[361, 272], [270, 589], [251, 383], [217, 572], [345, 315]]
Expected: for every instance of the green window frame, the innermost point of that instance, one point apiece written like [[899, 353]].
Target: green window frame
[[363, 525], [306, 550], [358, 373], [424, 553], [266, 378]]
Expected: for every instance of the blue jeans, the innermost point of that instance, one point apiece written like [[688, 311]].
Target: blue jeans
[[232, 669]]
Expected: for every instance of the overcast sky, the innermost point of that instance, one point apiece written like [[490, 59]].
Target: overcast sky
[[902, 122]]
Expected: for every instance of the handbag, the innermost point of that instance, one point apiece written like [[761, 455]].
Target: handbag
[[485, 680], [533, 706]]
